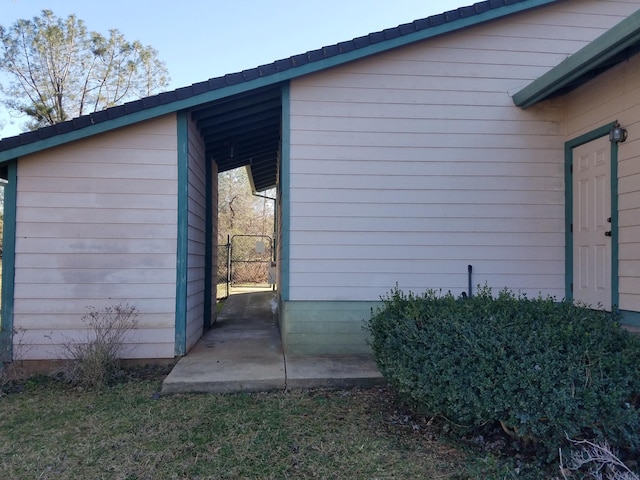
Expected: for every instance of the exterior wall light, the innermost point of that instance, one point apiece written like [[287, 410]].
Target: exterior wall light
[[617, 134]]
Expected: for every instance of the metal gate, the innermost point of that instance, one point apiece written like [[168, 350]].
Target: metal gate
[[224, 279], [251, 257], [244, 260]]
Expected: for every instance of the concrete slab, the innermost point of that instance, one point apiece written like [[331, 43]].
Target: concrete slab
[[332, 371], [243, 352]]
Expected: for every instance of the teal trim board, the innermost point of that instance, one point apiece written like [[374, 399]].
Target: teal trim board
[[615, 243], [568, 189], [568, 222], [285, 194], [208, 247], [8, 263], [183, 234]]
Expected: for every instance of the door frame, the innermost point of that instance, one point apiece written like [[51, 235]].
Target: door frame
[[568, 188]]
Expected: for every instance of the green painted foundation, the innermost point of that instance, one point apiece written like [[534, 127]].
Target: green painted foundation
[[631, 319], [324, 328], [336, 328]]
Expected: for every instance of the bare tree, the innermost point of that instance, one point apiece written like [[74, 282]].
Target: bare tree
[[59, 70], [239, 211]]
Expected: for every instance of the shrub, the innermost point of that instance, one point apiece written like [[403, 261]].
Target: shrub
[[543, 370], [95, 362], [11, 372]]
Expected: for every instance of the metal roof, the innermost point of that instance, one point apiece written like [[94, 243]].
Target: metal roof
[[239, 114]]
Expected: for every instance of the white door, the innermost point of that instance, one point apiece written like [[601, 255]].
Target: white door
[[592, 224]]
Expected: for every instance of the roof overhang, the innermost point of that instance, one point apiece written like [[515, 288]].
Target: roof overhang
[[244, 131], [611, 48], [275, 74]]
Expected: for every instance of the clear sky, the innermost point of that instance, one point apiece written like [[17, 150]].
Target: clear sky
[[201, 39]]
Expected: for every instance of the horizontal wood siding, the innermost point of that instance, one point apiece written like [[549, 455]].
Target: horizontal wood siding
[[197, 237], [409, 166], [96, 226], [615, 95]]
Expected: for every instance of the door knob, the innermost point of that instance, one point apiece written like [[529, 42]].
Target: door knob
[[607, 233]]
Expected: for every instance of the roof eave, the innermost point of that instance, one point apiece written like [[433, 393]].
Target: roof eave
[[606, 46], [269, 79]]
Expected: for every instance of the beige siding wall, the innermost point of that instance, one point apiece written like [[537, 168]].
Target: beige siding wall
[[96, 225], [197, 237], [409, 166], [615, 95]]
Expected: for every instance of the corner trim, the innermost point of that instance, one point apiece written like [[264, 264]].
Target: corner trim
[[285, 194], [183, 233], [208, 247], [8, 263]]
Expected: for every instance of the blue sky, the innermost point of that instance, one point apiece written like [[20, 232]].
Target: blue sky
[[201, 39]]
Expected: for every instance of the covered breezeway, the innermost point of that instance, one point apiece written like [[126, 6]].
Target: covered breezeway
[[244, 130]]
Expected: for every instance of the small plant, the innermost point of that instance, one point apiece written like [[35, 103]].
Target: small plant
[[596, 460], [95, 362]]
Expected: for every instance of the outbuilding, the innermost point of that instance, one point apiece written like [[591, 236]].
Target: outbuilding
[[497, 144]]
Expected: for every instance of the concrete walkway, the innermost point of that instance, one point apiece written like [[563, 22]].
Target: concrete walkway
[[242, 352]]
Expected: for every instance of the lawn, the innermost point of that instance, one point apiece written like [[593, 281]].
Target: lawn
[[52, 431]]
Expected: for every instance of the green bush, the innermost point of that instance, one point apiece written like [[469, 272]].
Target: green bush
[[543, 370]]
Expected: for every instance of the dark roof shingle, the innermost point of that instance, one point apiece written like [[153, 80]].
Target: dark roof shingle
[[257, 72]]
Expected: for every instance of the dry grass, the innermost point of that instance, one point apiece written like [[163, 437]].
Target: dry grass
[[49, 431]]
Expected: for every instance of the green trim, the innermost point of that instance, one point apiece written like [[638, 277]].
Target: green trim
[[273, 79], [609, 44], [208, 247], [627, 317], [568, 222], [8, 263], [615, 242], [285, 194], [568, 189], [183, 234]]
